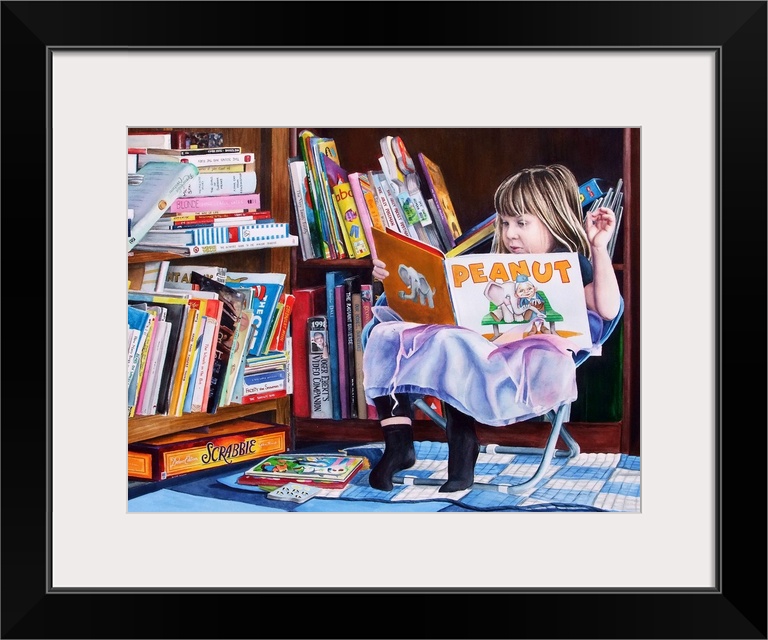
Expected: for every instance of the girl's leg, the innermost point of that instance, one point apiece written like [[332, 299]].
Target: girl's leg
[[463, 449], [396, 417]]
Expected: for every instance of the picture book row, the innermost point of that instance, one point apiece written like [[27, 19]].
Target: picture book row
[[198, 201], [336, 210], [201, 338]]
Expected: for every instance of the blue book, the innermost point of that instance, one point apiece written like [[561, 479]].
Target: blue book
[[267, 289], [333, 278]]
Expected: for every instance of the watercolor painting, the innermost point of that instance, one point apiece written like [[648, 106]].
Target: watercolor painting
[[465, 389]]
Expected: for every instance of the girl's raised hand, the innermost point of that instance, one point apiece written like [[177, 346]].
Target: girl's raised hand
[[600, 225], [379, 269]]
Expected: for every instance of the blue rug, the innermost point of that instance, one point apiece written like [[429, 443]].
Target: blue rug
[[588, 482]]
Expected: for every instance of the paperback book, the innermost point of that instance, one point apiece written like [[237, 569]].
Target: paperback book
[[503, 297]]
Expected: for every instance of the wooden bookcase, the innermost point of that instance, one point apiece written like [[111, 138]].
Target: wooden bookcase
[[474, 161], [271, 147]]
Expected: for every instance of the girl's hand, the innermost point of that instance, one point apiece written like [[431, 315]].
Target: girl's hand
[[600, 225], [379, 269]]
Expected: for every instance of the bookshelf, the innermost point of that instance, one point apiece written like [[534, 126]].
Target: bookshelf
[[271, 147], [474, 161]]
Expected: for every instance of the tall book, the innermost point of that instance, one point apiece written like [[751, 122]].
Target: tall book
[[435, 181], [318, 368], [504, 297], [307, 226], [161, 184], [333, 278], [364, 214], [351, 289], [233, 302], [310, 301], [329, 245], [346, 210], [322, 148], [357, 333], [213, 311], [342, 352], [366, 300], [240, 341]]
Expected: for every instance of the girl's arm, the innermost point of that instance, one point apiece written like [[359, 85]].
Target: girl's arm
[[602, 295]]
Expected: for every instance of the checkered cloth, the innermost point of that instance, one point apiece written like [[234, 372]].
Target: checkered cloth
[[588, 482]]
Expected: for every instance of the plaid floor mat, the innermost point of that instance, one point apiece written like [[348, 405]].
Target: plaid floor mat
[[588, 482]]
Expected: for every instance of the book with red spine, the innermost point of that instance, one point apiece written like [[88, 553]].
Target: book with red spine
[[310, 301]]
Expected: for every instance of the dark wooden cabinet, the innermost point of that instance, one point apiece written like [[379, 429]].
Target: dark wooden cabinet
[[474, 161]]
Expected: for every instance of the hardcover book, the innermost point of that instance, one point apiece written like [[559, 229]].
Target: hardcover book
[[503, 297], [318, 363], [310, 301], [345, 210], [442, 199], [161, 184], [322, 470], [332, 278], [232, 303], [189, 452], [267, 289], [305, 216], [221, 247], [342, 353]]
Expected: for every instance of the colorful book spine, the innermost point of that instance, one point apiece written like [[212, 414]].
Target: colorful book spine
[[357, 331], [209, 160], [332, 278], [366, 299], [318, 363], [200, 204], [310, 301], [362, 210], [265, 385], [346, 207], [341, 349]]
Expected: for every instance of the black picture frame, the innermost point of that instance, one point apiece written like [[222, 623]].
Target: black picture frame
[[735, 609]]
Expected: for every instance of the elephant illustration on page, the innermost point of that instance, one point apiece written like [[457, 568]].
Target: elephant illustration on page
[[417, 285]]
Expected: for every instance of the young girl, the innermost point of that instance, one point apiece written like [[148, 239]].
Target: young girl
[[538, 211]]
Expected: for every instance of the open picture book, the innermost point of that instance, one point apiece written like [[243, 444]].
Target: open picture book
[[504, 297]]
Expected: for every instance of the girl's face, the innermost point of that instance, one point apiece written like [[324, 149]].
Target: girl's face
[[526, 234]]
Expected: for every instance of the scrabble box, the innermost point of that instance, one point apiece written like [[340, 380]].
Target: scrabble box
[[206, 448]]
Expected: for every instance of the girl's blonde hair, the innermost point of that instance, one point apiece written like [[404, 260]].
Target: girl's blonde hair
[[551, 193]]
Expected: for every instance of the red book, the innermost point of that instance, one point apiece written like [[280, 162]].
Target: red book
[[310, 301], [278, 340]]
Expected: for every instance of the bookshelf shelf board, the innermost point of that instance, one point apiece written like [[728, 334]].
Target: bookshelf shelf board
[[592, 436], [343, 263], [137, 257], [145, 427]]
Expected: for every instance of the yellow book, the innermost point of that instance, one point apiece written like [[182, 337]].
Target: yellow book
[[185, 359]]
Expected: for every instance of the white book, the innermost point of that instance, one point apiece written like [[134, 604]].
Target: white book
[[222, 247], [216, 184], [207, 348], [161, 184], [149, 400], [298, 173]]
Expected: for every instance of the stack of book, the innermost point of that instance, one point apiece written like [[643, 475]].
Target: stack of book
[[217, 208]]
